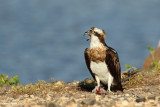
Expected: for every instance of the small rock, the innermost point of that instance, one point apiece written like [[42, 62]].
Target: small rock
[[143, 99], [48, 98], [78, 105], [158, 98], [68, 95], [126, 95], [9, 95], [145, 89], [41, 103], [89, 101], [15, 96], [121, 99], [90, 96], [106, 103], [32, 96], [26, 95], [59, 83], [37, 92], [70, 103], [50, 93], [119, 92], [51, 105], [125, 91], [77, 96], [74, 83], [83, 96], [153, 97], [21, 97], [112, 102], [130, 99], [102, 96], [125, 102], [7, 87], [97, 97], [138, 104]]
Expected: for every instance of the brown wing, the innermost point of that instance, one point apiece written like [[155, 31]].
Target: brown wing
[[113, 63], [88, 61]]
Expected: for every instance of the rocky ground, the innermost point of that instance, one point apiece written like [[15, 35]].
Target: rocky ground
[[141, 89], [137, 97]]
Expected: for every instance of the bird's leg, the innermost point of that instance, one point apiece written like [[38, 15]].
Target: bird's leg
[[110, 80], [97, 88]]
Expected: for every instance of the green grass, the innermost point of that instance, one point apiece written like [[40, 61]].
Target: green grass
[[140, 77], [155, 63], [5, 79]]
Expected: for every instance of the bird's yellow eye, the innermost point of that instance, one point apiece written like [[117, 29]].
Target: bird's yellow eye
[[92, 31]]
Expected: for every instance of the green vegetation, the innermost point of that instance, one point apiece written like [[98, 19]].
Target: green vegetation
[[133, 77], [129, 68], [41, 86], [4, 79], [155, 63], [128, 75]]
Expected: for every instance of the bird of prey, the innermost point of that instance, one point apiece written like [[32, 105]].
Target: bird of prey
[[102, 61]]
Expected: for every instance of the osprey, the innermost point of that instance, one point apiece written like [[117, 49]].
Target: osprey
[[102, 61]]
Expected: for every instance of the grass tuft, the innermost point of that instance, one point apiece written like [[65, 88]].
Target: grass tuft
[[5, 79]]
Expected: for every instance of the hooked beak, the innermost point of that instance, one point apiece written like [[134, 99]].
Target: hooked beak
[[87, 33]]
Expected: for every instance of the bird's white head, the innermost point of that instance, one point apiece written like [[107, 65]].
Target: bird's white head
[[97, 37]]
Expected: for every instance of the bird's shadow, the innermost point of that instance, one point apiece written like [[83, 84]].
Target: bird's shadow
[[90, 84], [87, 85]]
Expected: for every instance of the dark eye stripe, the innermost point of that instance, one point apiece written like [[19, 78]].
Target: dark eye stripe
[[92, 28], [97, 34]]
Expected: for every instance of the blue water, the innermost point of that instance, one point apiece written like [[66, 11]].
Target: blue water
[[40, 40]]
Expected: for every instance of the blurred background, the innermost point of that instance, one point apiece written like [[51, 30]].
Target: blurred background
[[43, 39]]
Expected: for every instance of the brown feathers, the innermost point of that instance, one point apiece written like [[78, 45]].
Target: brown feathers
[[97, 54]]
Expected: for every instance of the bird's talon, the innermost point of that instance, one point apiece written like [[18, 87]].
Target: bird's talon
[[110, 92]]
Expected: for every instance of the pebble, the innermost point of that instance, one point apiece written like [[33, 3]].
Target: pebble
[[152, 97], [32, 96], [83, 96], [16, 96], [112, 102], [143, 99], [51, 105], [48, 98], [89, 101], [135, 97], [125, 103], [138, 104], [127, 95], [158, 98], [97, 97], [26, 95], [9, 95]]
